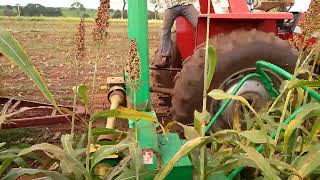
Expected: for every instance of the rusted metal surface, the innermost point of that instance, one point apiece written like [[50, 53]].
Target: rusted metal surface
[[22, 103], [28, 113], [166, 91], [37, 121], [164, 69], [115, 80]]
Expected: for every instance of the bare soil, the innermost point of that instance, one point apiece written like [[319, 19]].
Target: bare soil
[[50, 45]]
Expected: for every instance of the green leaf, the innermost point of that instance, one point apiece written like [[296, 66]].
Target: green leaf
[[227, 136], [83, 95], [300, 97], [299, 119], [233, 164], [308, 163], [217, 175], [122, 165], [10, 48], [20, 162], [70, 160], [261, 162], [137, 161], [183, 151], [257, 136], [189, 131], [81, 142], [79, 153], [212, 64], [66, 141], [282, 166], [54, 150], [314, 131], [219, 155], [290, 147], [203, 116], [124, 113], [15, 173], [197, 123], [301, 83], [218, 94], [69, 164], [106, 151], [4, 165], [12, 150], [129, 174], [2, 144], [7, 155], [102, 131]]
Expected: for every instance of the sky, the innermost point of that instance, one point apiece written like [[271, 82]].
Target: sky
[[92, 4], [301, 5]]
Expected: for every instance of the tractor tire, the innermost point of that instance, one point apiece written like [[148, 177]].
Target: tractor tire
[[163, 78], [236, 52]]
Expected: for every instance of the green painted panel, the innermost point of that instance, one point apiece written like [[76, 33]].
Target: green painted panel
[[138, 30], [148, 141], [169, 145]]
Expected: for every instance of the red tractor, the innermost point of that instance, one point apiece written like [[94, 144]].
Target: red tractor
[[241, 37]]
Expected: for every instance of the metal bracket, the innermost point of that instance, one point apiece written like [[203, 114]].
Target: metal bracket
[[115, 85]]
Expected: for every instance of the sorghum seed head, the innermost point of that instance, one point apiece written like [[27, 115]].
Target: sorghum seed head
[[102, 21], [310, 25], [133, 64], [311, 22], [80, 40]]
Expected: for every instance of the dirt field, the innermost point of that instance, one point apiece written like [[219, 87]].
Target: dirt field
[[50, 45]]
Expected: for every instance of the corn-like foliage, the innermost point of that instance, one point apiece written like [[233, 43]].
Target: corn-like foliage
[[11, 49], [295, 155], [292, 155], [71, 157]]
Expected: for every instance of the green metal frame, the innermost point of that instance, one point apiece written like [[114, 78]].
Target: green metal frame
[[138, 31], [166, 146], [265, 79]]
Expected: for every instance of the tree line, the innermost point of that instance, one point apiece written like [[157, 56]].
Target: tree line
[[31, 10], [75, 10]]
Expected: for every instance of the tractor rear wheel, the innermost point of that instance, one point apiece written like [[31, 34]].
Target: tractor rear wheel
[[237, 54]]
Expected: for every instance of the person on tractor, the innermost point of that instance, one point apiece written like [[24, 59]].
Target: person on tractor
[[173, 9]]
